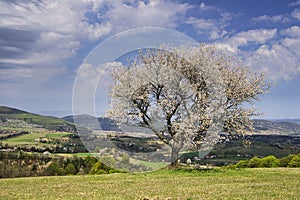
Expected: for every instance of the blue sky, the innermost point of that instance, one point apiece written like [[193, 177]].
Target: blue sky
[[43, 43]]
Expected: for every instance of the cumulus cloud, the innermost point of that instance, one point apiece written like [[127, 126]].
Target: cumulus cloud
[[214, 28], [283, 18], [296, 14], [40, 34], [293, 31], [140, 14], [277, 53], [276, 60], [204, 7], [37, 34], [257, 36], [295, 3], [40, 38]]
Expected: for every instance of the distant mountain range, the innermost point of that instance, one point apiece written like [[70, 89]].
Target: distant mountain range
[[93, 123], [297, 121], [280, 126]]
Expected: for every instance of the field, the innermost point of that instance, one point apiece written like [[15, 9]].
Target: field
[[29, 139], [265, 183]]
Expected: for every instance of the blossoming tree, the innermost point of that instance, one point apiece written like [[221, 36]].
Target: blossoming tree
[[186, 96]]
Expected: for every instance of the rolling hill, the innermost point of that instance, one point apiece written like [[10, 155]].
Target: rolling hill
[[93, 123], [276, 127], [17, 118]]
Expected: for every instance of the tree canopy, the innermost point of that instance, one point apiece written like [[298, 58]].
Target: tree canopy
[[186, 96]]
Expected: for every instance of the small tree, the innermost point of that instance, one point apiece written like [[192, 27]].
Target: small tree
[[269, 161], [254, 162], [185, 95], [295, 162], [70, 169]]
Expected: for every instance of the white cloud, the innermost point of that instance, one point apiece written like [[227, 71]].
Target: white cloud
[[215, 28], [57, 29], [275, 53], [274, 19], [276, 60], [257, 36], [292, 41], [154, 13], [296, 14], [293, 31], [204, 7], [202, 24], [295, 3], [54, 31]]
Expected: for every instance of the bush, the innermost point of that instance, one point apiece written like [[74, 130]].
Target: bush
[[54, 169], [99, 168], [108, 161], [254, 162], [295, 162], [70, 169], [269, 161], [242, 164], [284, 162]]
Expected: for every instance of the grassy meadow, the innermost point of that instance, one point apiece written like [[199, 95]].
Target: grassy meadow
[[264, 183], [30, 139]]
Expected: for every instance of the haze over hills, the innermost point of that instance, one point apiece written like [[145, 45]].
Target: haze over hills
[[276, 126], [88, 121], [280, 126], [53, 135], [297, 120], [8, 110]]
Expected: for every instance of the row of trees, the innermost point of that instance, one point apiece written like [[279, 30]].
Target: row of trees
[[22, 164], [292, 160]]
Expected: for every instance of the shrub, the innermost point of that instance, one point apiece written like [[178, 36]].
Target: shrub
[[295, 162], [242, 164], [70, 169], [254, 162], [284, 162], [54, 169], [108, 161], [99, 168], [269, 161]]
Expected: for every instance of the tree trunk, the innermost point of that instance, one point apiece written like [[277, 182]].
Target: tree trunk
[[174, 156]]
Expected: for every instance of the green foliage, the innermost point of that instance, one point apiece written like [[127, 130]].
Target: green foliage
[[291, 160], [54, 169], [269, 161], [125, 159], [51, 123], [284, 162], [99, 168], [70, 169], [295, 162], [108, 161], [242, 164], [22, 164], [254, 162]]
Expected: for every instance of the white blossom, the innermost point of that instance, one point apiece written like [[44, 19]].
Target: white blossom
[[186, 96]]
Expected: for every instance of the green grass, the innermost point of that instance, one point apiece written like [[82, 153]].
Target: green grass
[[153, 165], [273, 183], [48, 122], [29, 139], [23, 139]]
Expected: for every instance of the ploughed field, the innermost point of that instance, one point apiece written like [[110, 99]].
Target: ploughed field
[[259, 183]]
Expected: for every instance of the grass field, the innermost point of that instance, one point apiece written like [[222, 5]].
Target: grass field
[[265, 183], [29, 139]]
